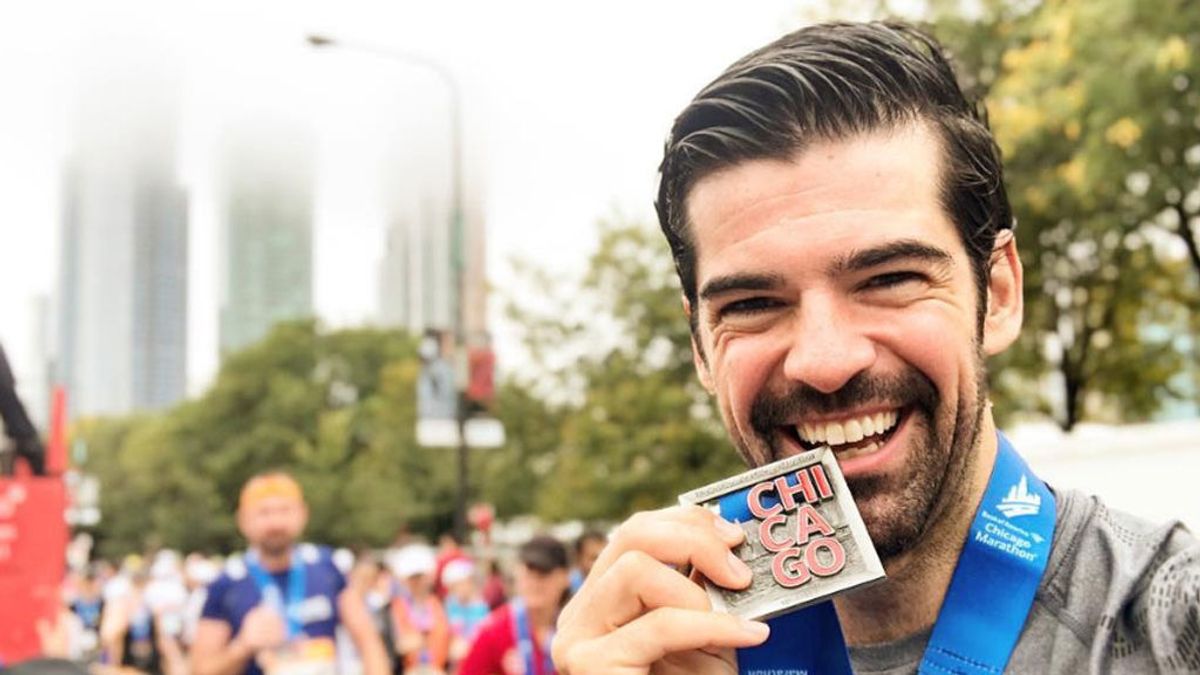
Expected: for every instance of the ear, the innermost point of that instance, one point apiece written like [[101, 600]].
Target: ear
[[702, 371], [1005, 299]]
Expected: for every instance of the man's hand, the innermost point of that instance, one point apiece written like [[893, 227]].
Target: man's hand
[[262, 628], [636, 614]]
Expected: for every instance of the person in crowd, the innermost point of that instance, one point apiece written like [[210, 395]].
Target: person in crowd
[[515, 639], [495, 590], [277, 608], [465, 608], [837, 214], [134, 636], [87, 603], [449, 549], [421, 631], [166, 593], [198, 572], [587, 548]]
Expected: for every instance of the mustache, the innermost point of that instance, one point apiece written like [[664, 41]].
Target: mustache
[[910, 387]]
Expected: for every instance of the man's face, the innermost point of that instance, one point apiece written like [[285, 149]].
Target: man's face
[[273, 524], [540, 590], [837, 306]]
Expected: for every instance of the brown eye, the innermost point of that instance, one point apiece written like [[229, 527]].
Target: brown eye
[[892, 279], [747, 307]]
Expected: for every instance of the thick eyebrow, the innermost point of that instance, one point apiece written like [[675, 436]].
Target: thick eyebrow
[[740, 282], [903, 249]]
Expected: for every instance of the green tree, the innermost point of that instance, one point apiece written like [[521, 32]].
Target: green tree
[[336, 409], [1093, 104], [632, 428]]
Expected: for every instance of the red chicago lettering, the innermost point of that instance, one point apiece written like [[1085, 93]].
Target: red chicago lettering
[[809, 520], [787, 493], [754, 501], [789, 569], [836, 552], [768, 540], [822, 481]]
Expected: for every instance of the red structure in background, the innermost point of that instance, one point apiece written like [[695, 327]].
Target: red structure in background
[[481, 368], [481, 516], [33, 544]]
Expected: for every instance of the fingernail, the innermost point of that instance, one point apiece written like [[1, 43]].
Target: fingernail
[[730, 530], [739, 568], [757, 629]]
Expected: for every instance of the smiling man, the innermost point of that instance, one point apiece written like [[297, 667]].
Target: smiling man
[[837, 214], [276, 610]]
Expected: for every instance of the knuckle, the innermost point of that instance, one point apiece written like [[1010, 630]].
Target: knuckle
[[632, 563], [697, 515], [632, 524]]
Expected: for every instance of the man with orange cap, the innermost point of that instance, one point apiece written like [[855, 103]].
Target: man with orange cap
[[276, 609]]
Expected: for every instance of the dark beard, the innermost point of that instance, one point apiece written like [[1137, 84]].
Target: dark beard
[[275, 544], [898, 510]]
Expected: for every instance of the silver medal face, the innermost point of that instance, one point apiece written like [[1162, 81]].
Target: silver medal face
[[805, 540]]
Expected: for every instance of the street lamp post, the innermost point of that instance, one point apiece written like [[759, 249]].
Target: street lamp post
[[457, 234]]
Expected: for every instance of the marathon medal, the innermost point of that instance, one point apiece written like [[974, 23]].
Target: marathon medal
[[805, 540]]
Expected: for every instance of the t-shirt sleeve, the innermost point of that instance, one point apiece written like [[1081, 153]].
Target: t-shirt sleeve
[[214, 600]]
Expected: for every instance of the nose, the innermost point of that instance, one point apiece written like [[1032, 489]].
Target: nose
[[827, 347]]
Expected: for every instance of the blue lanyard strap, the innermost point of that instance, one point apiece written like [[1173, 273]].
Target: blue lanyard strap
[[984, 611], [297, 589], [998, 572], [524, 634]]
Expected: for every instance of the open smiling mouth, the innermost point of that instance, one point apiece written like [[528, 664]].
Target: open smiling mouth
[[849, 437]]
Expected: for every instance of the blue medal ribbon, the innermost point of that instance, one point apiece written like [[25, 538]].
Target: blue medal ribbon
[[984, 611], [524, 635], [297, 590]]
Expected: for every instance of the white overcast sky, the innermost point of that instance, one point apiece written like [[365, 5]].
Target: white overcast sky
[[566, 107]]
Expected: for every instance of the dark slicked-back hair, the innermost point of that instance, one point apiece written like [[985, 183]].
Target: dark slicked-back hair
[[831, 82]]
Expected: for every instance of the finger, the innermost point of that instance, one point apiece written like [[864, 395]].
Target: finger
[[637, 645], [635, 584], [682, 535], [718, 661]]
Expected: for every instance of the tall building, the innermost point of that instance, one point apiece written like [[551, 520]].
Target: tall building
[[266, 239], [418, 288], [122, 292]]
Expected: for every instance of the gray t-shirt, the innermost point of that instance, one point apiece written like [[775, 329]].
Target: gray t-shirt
[[1120, 595]]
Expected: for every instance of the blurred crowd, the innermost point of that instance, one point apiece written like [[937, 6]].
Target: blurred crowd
[[444, 609]]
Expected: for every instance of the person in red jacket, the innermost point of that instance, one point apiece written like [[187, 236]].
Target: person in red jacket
[[515, 639]]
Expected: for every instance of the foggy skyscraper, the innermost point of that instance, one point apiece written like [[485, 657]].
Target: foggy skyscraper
[[122, 292], [266, 230]]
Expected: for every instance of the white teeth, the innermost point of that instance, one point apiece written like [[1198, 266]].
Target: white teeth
[[854, 431], [835, 434], [848, 431]]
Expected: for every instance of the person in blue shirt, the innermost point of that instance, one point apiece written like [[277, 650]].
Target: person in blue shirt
[[587, 548], [465, 608], [277, 608]]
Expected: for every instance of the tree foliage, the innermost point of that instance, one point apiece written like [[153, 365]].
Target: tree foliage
[[1097, 111], [635, 429], [335, 409]]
